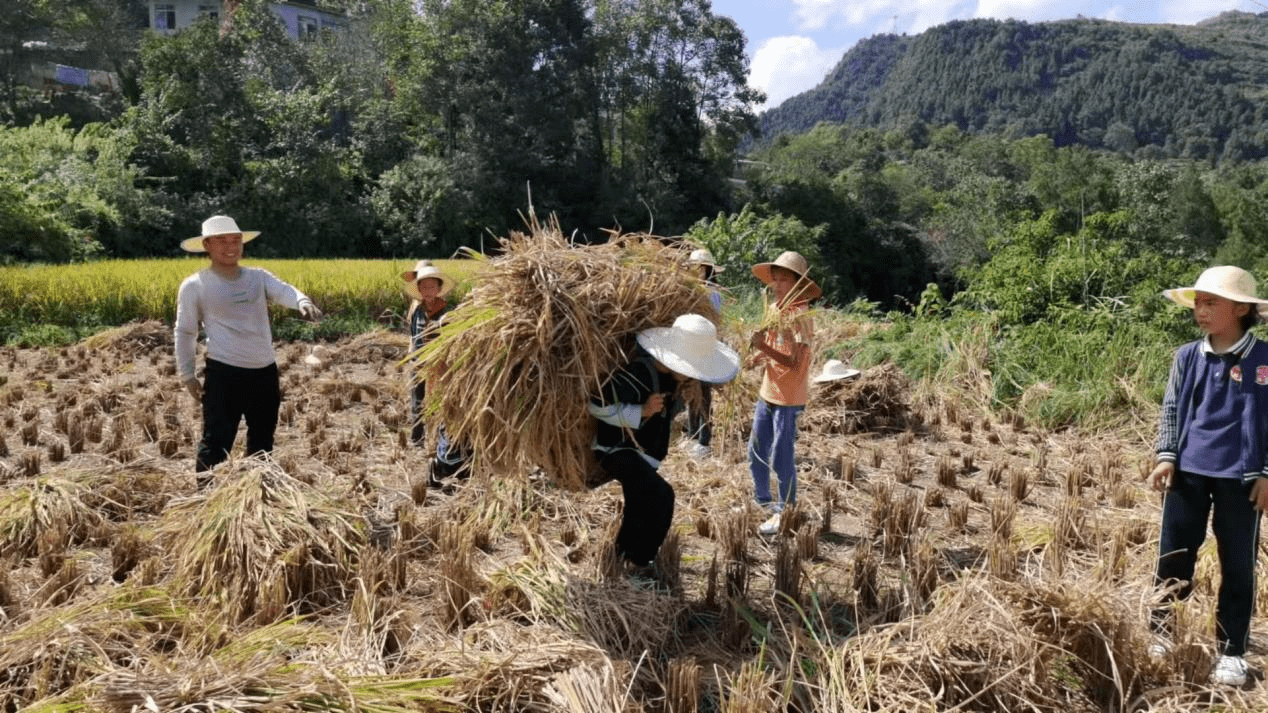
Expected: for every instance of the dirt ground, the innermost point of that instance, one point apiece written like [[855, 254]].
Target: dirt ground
[[897, 501]]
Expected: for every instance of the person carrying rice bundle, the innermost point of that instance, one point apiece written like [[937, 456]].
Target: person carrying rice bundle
[[634, 413], [544, 326]]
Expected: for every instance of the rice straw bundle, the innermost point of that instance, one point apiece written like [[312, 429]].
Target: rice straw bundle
[[876, 401], [61, 647], [263, 542], [133, 339], [34, 507], [514, 366]]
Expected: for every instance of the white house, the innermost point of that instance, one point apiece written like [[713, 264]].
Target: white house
[[302, 19]]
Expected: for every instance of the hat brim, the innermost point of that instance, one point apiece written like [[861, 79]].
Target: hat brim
[[195, 244], [718, 367], [806, 287], [1185, 296], [411, 284], [848, 374]]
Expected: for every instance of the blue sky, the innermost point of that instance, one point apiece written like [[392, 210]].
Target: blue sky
[[794, 43]]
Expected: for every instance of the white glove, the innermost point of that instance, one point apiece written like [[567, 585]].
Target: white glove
[[309, 311]]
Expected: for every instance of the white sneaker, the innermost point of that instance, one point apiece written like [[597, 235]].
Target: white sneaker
[[1230, 671], [1159, 648], [770, 527], [698, 451]]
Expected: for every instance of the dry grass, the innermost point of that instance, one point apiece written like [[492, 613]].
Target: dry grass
[[327, 581], [263, 543]]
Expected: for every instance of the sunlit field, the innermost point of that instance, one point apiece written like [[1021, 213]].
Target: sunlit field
[[87, 297]]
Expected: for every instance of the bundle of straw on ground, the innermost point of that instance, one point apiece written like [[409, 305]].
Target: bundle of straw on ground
[[875, 401], [516, 364], [990, 645], [133, 339], [263, 543], [31, 508], [55, 649]]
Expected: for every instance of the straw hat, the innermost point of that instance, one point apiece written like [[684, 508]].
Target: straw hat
[[833, 370], [791, 260], [702, 256], [691, 348], [1227, 281], [216, 225], [422, 270]]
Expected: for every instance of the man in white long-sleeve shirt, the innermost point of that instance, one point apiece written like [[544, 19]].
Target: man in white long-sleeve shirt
[[231, 303]]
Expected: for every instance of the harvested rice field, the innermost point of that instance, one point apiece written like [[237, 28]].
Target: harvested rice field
[[938, 560]]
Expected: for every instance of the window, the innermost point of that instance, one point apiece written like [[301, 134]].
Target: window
[[307, 27], [165, 17], [209, 11]]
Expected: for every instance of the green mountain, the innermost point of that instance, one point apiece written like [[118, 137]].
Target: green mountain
[[1194, 91]]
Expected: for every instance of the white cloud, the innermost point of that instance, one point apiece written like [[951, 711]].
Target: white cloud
[[788, 65], [1032, 10], [1185, 12]]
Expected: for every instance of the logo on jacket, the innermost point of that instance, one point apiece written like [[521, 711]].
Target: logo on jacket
[[1235, 373], [1261, 375]]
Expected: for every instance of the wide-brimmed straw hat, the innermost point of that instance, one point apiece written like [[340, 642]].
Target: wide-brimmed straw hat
[[833, 370], [422, 270], [702, 256], [691, 348], [806, 289], [1227, 281], [216, 225]]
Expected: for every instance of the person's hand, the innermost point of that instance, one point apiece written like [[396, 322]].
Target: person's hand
[[1160, 477], [1259, 494], [309, 311], [758, 338], [654, 405], [195, 389]]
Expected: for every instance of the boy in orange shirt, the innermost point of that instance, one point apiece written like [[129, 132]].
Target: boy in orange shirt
[[785, 352]]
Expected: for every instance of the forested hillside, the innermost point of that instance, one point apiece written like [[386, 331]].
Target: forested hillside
[[415, 128], [1151, 90]]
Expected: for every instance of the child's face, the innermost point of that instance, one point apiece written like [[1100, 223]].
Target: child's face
[[1218, 316], [429, 288], [782, 280]]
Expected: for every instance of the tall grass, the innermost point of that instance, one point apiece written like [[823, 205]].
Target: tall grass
[[1090, 370], [63, 302]]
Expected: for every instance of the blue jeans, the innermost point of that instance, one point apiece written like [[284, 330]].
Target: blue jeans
[[1185, 512], [770, 446]]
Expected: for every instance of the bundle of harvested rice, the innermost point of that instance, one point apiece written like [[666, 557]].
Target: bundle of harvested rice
[[371, 347], [990, 645], [133, 339], [515, 364], [876, 401], [263, 543], [59, 648], [34, 507]]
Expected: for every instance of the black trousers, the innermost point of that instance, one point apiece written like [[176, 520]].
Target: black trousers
[[1185, 511], [699, 423], [418, 429], [649, 505], [230, 394]]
